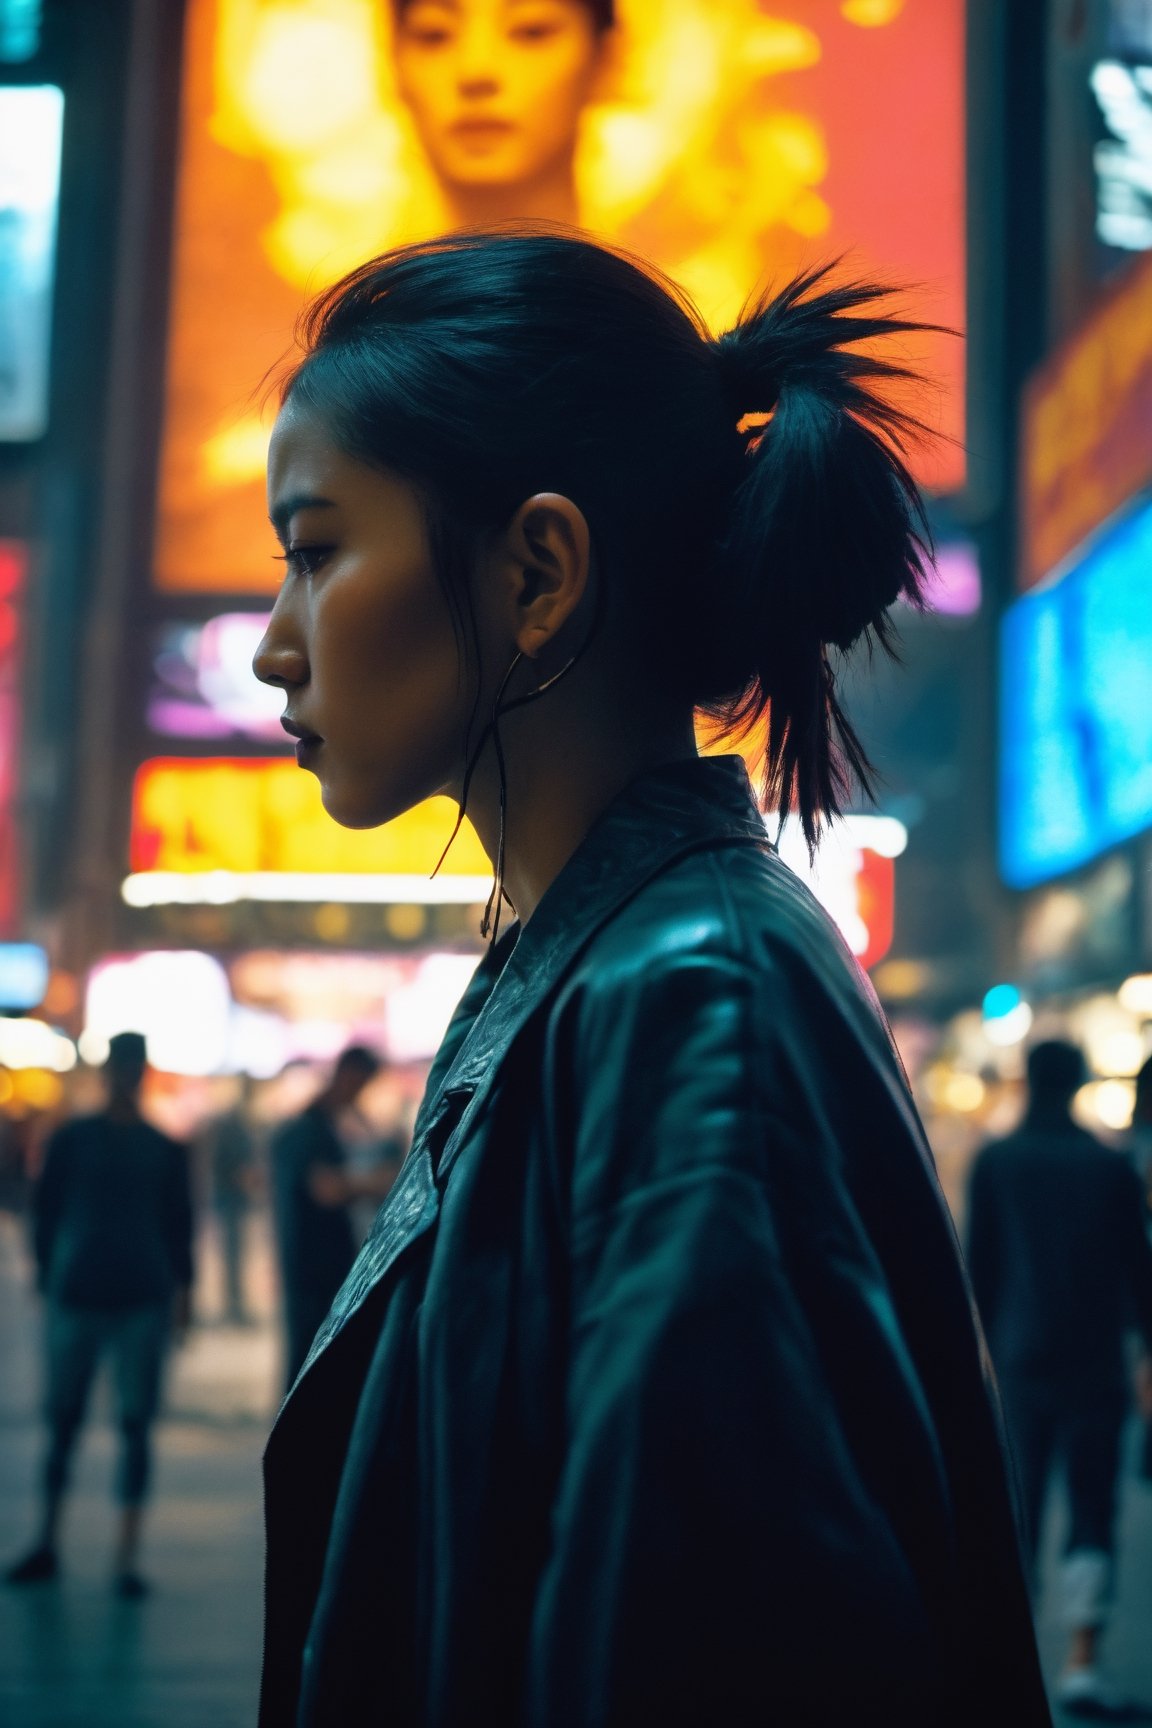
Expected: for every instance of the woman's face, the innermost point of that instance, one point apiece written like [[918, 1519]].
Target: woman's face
[[497, 87], [361, 637]]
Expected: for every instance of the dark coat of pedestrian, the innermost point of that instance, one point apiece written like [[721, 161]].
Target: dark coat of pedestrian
[[112, 1226], [1061, 1265], [312, 1193]]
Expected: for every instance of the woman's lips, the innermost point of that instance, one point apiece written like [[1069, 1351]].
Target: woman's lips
[[307, 743], [481, 131]]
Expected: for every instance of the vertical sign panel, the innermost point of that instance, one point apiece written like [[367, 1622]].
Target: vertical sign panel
[[13, 573], [31, 125]]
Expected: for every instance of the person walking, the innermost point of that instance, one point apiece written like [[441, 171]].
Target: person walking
[[112, 1223], [313, 1192], [655, 1394], [234, 1178], [1061, 1267]]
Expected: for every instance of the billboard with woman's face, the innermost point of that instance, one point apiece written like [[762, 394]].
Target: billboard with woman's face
[[730, 141]]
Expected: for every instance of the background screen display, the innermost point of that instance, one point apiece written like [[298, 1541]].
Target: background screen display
[[729, 142], [1076, 709]]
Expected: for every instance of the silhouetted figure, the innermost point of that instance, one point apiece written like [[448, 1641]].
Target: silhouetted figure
[[312, 1191], [1062, 1268], [1142, 1128], [234, 1178], [112, 1221]]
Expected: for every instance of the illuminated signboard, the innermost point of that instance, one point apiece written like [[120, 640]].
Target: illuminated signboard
[[728, 142], [220, 829], [202, 685], [1076, 719], [23, 975], [31, 127], [19, 29], [1087, 437], [1122, 86], [853, 876], [13, 578]]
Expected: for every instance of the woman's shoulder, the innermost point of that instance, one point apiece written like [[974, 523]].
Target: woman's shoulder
[[727, 933], [737, 908]]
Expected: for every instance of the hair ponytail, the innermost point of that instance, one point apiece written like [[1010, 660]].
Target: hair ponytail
[[826, 530]]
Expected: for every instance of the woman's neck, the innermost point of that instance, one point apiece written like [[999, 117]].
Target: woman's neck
[[561, 777]]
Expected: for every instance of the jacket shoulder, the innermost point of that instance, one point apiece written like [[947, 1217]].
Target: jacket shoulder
[[736, 909]]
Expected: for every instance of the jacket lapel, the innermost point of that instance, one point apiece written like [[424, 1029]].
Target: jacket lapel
[[662, 817]]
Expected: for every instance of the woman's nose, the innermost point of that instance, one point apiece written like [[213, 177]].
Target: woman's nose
[[278, 662], [478, 66]]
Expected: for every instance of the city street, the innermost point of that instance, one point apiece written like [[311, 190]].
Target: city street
[[73, 1656]]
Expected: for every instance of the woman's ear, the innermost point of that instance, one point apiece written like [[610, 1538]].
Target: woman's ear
[[548, 551]]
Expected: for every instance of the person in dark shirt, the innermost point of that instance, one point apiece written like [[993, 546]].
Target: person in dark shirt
[[312, 1191], [112, 1221], [235, 1181], [1062, 1271]]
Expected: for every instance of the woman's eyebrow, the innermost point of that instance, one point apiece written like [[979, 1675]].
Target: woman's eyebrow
[[283, 512]]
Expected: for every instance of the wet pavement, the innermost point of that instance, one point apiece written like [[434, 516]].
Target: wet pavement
[[74, 1656]]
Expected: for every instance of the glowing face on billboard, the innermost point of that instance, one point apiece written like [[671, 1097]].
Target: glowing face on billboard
[[731, 141], [496, 90]]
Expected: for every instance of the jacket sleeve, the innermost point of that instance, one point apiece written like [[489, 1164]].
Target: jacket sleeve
[[715, 1555]]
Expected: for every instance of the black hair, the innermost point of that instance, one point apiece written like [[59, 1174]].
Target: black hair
[[1056, 1071], [127, 1055], [603, 11], [486, 367]]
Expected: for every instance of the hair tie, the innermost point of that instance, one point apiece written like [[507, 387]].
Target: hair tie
[[750, 399]]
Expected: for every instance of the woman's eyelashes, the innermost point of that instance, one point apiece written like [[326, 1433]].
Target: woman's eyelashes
[[304, 560]]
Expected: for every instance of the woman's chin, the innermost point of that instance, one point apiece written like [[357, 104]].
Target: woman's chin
[[362, 809]]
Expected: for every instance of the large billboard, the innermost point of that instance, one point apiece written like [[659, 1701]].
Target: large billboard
[[727, 140], [1075, 718], [1086, 445]]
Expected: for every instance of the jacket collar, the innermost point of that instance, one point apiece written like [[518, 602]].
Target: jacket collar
[[661, 817]]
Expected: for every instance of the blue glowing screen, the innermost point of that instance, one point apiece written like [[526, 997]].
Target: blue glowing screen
[[23, 975], [1076, 710]]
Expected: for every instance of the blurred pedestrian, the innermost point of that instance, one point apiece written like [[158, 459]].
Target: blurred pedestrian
[[1062, 1269], [112, 1222], [234, 1177], [1142, 1129], [313, 1192]]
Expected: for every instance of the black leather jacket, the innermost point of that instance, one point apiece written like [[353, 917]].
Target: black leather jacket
[[656, 1395]]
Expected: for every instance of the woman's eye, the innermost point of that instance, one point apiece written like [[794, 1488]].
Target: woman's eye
[[426, 27], [305, 560], [532, 32]]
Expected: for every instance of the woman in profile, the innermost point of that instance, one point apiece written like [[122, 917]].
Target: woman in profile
[[656, 1395]]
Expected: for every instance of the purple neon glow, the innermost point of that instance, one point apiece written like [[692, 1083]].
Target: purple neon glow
[[954, 588]]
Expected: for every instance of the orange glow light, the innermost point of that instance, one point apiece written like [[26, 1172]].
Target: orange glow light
[[233, 814]]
